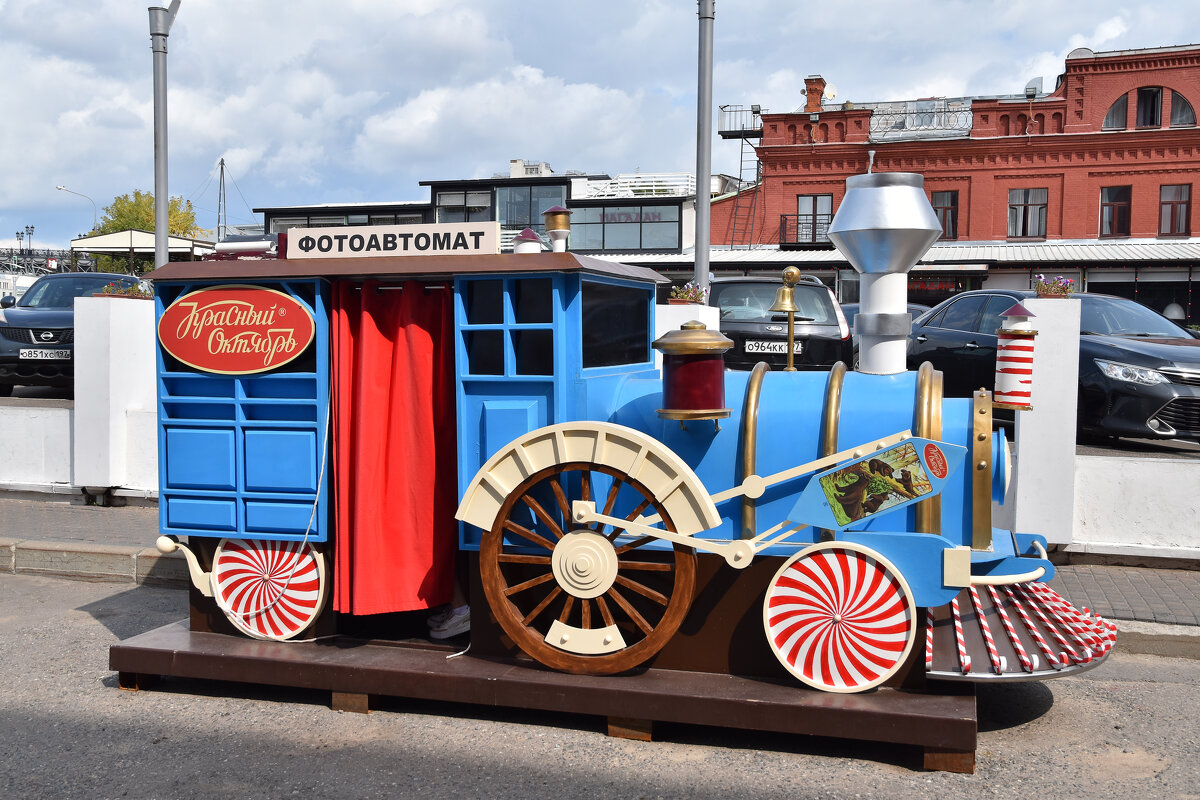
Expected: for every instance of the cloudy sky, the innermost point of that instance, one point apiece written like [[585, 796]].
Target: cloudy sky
[[315, 102]]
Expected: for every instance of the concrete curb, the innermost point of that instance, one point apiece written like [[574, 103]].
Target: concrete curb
[[1156, 639], [95, 562]]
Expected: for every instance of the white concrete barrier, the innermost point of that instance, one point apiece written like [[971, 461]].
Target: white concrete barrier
[[1043, 460], [1137, 506], [114, 447], [35, 445]]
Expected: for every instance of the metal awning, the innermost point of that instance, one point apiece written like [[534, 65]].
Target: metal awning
[[139, 242], [943, 256]]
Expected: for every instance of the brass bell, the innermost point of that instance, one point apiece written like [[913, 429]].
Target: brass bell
[[785, 302], [785, 296]]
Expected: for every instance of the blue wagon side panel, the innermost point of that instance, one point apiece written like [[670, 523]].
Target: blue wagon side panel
[[246, 455]]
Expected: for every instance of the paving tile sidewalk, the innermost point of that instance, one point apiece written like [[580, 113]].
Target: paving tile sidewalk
[[57, 534], [1164, 596]]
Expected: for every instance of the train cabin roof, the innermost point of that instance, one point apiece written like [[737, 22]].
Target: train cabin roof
[[440, 266]]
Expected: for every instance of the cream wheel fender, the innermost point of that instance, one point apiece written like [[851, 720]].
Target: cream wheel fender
[[632, 453]]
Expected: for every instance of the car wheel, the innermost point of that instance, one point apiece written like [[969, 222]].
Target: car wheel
[[6, 389]]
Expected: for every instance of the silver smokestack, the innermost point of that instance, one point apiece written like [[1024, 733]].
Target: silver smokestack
[[883, 226]]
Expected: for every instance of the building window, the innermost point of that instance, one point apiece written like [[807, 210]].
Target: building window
[[1027, 213], [281, 224], [1114, 210], [945, 205], [1117, 115], [1175, 210], [814, 212], [520, 207], [625, 228], [1182, 115], [464, 206], [1149, 107]]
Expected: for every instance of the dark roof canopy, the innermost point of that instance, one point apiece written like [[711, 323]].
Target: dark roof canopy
[[400, 267]]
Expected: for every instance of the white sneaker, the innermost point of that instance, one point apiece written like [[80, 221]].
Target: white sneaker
[[458, 622], [439, 617]]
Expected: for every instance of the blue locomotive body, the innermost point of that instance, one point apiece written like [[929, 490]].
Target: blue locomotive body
[[585, 502]]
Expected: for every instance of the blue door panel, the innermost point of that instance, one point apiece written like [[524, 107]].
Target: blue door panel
[[204, 515], [200, 458], [277, 516], [281, 461]]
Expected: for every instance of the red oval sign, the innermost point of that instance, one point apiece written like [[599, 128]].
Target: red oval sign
[[236, 329], [935, 459]]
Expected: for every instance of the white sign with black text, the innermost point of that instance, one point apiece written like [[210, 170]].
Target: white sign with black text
[[451, 238]]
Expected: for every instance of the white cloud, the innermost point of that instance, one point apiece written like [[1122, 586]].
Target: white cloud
[[312, 101]]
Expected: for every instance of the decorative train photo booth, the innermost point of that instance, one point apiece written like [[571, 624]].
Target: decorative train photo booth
[[340, 425]]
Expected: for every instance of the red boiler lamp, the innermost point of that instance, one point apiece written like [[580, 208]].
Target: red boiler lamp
[[693, 372]]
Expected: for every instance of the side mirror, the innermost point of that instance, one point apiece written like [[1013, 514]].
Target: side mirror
[[8, 301]]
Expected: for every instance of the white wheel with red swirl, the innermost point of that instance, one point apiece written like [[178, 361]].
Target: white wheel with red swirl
[[839, 617], [269, 589]]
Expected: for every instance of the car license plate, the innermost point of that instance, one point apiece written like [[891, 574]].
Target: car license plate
[[759, 346], [32, 354]]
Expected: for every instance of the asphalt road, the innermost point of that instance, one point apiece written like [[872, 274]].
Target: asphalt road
[[1130, 727]]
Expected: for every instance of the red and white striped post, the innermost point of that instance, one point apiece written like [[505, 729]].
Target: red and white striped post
[[1014, 360]]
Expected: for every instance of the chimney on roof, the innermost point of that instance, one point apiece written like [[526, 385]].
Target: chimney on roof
[[814, 88]]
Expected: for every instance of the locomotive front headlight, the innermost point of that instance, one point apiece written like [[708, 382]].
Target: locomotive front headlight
[[1130, 373]]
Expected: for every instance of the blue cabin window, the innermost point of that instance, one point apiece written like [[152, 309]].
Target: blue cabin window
[[509, 326], [485, 302], [616, 324]]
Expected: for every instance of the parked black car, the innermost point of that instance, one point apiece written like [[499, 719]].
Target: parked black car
[[1139, 373], [822, 336], [37, 332]]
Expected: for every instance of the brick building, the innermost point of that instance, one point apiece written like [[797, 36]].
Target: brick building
[[1093, 180]]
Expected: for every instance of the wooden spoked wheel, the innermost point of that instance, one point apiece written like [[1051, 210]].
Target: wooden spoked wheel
[[269, 589], [586, 600], [839, 617]]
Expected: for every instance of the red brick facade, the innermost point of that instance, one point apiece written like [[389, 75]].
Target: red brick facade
[[1057, 142]]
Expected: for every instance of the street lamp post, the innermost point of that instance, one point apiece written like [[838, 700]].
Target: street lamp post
[[161, 20], [29, 243], [85, 197]]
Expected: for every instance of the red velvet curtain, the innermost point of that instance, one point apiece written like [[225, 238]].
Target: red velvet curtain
[[395, 461]]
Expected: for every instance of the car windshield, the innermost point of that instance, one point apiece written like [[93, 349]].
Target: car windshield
[[61, 292], [1117, 316], [752, 301]]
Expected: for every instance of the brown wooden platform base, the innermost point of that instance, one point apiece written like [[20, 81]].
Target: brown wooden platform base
[[352, 670]]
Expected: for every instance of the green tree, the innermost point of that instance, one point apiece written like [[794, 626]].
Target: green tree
[[136, 211]]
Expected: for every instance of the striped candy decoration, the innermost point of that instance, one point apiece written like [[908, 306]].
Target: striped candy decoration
[[1014, 369], [1033, 630], [928, 639], [998, 663], [268, 589], [964, 660], [1068, 620], [1031, 598], [1026, 662], [839, 617]]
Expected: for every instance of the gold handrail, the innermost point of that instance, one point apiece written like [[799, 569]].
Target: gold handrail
[[831, 414], [750, 444], [927, 423]]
